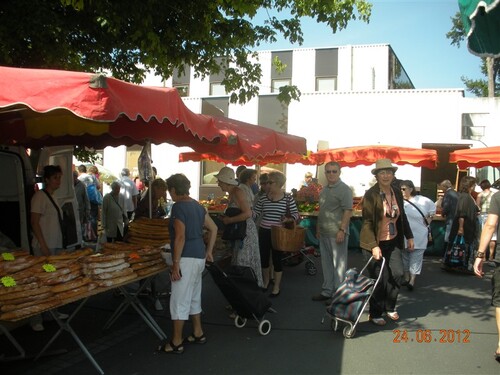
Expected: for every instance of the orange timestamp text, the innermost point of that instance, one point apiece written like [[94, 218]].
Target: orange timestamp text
[[426, 336]]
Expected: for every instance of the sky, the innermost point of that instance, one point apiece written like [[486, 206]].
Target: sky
[[416, 31]]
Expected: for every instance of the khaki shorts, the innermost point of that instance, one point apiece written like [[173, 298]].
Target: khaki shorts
[[495, 284]]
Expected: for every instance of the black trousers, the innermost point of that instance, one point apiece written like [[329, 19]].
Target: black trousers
[[386, 293]]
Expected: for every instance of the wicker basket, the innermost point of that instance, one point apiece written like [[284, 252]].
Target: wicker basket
[[284, 239]]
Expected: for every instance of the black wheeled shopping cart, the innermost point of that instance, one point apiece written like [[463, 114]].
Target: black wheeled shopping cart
[[351, 298], [239, 285]]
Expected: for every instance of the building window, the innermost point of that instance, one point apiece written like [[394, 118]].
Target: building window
[[208, 171], [217, 89], [277, 83], [182, 89], [326, 84]]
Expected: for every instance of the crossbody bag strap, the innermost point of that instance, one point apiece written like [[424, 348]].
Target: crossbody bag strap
[[57, 209], [418, 209]]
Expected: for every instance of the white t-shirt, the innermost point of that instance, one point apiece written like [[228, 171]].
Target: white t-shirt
[[127, 192], [417, 225], [49, 222]]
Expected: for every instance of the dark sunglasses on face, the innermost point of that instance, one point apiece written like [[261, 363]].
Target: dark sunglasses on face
[[403, 189], [268, 183], [331, 171]]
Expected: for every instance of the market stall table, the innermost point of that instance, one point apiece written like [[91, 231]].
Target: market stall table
[[130, 299]]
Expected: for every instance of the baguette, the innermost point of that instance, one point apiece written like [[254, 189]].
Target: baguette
[[18, 288], [112, 275], [116, 281], [62, 279], [144, 258], [22, 263], [71, 293], [140, 265], [104, 257], [152, 269], [38, 297], [76, 283], [30, 310], [24, 293], [97, 271], [110, 263]]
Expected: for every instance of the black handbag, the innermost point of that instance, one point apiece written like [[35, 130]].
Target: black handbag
[[234, 231]]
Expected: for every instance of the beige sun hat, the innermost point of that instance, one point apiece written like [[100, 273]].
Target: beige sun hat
[[227, 176], [383, 164]]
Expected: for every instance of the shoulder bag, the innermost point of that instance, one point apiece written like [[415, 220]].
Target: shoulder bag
[[234, 231]]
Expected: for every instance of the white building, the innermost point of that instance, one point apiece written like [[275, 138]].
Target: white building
[[351, 96]]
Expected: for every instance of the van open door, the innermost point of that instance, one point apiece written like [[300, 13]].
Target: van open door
[[16, 190]]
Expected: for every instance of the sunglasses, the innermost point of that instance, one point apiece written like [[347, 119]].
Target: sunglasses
[[331, 171], [268, 183], [403, 189]]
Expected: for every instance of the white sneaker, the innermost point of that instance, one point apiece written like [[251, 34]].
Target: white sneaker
[[37, 327]]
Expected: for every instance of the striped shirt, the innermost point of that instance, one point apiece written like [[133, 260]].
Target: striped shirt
[[272, 212]]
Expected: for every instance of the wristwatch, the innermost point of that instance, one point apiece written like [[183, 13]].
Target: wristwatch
[[480, 254], [342, 229]]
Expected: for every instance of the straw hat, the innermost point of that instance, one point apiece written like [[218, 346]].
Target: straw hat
[[226, 175], [383, 164]]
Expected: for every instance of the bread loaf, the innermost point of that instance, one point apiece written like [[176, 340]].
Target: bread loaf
[[148, 270], [24, 293], [30, 310], [72, 293], [76, 283], [21, 303], [112, 275], [116, 281], [97, 271]]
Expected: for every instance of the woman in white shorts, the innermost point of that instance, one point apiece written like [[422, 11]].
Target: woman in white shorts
[[187, 220]]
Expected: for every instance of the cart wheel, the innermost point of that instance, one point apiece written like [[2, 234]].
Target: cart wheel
[[239, 321], [349, 332], [310, 268], [264, 327]]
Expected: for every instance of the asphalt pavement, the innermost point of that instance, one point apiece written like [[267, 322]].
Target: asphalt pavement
[[447, 326]]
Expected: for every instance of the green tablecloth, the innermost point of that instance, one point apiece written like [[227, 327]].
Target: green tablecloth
[[437, 228]]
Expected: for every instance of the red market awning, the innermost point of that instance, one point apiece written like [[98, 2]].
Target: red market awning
[[367, 155], [40, 107], [247, 144], [476, 157]]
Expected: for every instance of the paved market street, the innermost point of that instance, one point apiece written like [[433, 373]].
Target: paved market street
[[443, 307]]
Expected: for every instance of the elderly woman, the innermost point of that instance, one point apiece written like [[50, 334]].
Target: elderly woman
[[246, 251], [383, 231], [159, 191], [114, 218], [187, 220], [466, 222], [419, 211], [272, 209]]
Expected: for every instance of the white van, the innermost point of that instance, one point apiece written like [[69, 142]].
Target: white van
[[20, 182]]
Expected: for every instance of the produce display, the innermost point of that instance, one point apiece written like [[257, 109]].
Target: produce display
[[29, 284]]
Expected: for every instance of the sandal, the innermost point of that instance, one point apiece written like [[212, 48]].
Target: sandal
[[192, 339], [393, 315], [171, 348], [378, 321], [497, 357]]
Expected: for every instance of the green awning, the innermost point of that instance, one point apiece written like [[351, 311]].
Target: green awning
[[481, 20]]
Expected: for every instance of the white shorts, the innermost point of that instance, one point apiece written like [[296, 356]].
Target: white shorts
[[185, 299]]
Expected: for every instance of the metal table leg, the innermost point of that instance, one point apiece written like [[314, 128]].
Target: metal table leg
[[65, 326]]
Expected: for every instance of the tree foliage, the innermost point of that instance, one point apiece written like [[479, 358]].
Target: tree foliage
[[129, 37], [478, 87]]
